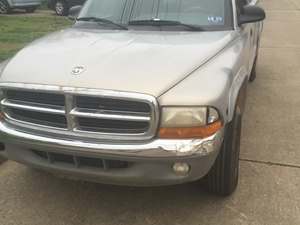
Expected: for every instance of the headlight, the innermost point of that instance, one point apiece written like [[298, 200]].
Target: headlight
[[183, 117], [189, 122]]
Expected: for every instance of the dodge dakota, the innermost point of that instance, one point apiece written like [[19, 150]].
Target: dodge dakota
[[136, 92]]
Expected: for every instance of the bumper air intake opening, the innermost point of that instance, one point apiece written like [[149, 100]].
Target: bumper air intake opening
[[80, 161]]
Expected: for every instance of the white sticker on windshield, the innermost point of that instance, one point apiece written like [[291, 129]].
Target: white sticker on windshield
[[215, 19]]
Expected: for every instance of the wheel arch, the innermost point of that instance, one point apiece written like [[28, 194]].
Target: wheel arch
[[238, 95]]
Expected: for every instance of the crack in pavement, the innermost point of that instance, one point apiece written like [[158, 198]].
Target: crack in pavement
[[270, 163], [294, 4], [241, 159], [296, 47]]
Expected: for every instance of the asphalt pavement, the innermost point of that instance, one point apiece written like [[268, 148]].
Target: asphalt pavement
[[269, 189]]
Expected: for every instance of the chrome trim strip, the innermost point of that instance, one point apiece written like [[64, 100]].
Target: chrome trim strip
[[28, 125], [32, 107], [80, 91], [110, 116], [69, 104], [156, 148], [69, 134]]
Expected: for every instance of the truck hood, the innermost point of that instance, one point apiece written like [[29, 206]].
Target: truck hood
[[136, 61]]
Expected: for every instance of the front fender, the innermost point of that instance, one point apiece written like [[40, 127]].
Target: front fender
[[218, 83]]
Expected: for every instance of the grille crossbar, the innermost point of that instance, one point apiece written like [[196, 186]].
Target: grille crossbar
[[36, 107], [81, 114], [97, 114]]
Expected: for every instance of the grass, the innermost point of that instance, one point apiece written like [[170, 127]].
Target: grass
[[17, 30]]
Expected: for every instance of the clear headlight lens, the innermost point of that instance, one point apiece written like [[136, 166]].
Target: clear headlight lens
[[189, 122], [183, 117]]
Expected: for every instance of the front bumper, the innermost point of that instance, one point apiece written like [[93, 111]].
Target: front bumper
[[151, 163]]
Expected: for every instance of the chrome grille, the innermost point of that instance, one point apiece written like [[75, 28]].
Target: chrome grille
[[37, 117], [81, 112]]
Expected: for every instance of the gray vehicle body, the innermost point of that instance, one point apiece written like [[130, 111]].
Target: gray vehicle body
[[23, 3], [181, 69]]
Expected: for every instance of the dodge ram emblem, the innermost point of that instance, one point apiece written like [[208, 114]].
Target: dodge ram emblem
[[77, 70]]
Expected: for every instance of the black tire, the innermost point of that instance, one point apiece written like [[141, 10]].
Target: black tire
[[253, 71], [4, 7], [223, 177], [61, 8], [31, 9]]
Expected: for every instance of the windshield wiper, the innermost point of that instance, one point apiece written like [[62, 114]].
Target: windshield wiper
[[102, 21], [159, 22]]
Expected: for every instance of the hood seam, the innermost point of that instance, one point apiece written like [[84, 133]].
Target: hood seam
[[198, 67]]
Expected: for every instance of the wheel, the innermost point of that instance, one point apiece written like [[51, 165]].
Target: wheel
[[31, 9], [61, 8], [4, 7], [223, 177], [253, 71]]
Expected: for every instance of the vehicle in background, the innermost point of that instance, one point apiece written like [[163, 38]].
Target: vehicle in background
[[6, 6], [61, 7]]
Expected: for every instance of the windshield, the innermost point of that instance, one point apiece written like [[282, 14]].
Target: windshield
[[203, 13]]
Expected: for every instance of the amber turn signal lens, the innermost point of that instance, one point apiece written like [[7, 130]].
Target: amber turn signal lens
[[190, 132]]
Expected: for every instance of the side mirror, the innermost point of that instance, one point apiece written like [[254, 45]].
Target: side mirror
[[74, 12], [251, 14]]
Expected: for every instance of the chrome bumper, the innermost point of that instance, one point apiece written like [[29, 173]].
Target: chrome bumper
[[156, 148], [151, 162]]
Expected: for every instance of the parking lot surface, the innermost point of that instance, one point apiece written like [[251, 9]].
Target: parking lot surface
[[268, 193]]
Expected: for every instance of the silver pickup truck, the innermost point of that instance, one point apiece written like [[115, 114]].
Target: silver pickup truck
[[136, 92]]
